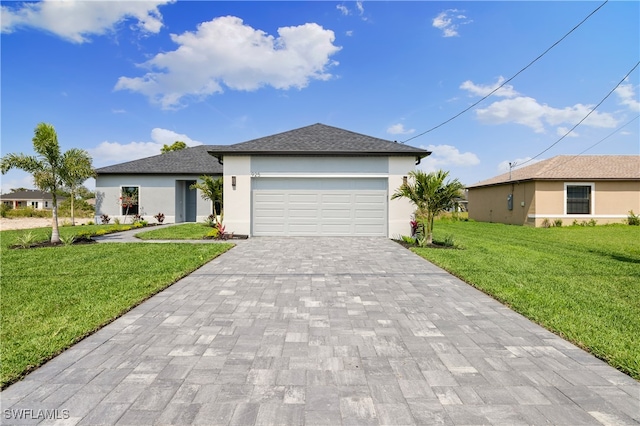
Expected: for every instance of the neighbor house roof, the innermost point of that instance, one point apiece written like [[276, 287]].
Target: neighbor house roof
[[568, 167], [192, 161], [29, 194], [319, 139]]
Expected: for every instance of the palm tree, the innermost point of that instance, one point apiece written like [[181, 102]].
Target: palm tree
[[431, 196], [211, 189], [48, 167], [76, 169]]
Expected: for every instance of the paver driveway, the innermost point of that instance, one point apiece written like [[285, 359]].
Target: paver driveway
[[323, 331]]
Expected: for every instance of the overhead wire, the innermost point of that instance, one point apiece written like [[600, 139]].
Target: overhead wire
[[509, 79], [594, 145], [583, 118]]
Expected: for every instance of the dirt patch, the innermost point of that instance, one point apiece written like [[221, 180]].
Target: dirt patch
[[8, 223]]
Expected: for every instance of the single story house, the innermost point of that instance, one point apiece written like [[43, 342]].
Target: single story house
[[158, 184], [312, 181], [34, 198], [579, 188]]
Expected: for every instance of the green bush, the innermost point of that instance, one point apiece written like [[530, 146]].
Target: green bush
[[28, 212], [633, 219]]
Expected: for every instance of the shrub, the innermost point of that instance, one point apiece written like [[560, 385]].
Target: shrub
[[557, 222], [159, 217], [409, 240], [116, 221], [26, 239], [100, 232], [68, 240], [105, 219], [546, 223], [633, 219], [4, 209], [592, 222], [449, 241], [214, 233], [211, 220], [28, 212]]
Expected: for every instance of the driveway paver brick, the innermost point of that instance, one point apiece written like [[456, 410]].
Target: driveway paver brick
[[322, 331]]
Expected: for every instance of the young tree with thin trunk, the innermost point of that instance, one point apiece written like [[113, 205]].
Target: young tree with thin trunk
[[77, 168], [431, 196]]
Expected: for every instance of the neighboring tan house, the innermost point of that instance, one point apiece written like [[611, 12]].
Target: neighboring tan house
[[158, 184], [29, 198], [569, 188], [317, 180]]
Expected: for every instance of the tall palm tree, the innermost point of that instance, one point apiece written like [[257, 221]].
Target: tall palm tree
[[77, 168], [431, 196], [47, 167]]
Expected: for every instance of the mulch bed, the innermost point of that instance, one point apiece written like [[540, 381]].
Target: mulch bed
[[50, 244]]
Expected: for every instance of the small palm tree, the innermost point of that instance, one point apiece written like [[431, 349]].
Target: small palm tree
[[49, 167], [431, 196], [211, 189]]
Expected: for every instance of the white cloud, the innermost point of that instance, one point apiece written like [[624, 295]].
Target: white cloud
[[483, 90], [114, 152], [398, 129], [343, 9], [360, 7], [16, 179], [449, 21], [627, 96], [528, 112], [224, 51], [75, 21], [444, 156], [561, 131], [349, 33]]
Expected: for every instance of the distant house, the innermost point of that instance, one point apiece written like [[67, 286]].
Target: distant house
[[29, 198], [317, 180], [158, 184], [603, 188]]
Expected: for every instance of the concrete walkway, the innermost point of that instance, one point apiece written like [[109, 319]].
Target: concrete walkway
[[323, 331]]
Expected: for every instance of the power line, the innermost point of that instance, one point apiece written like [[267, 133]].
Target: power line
[[585, 117], [507, 81], [595, 144]]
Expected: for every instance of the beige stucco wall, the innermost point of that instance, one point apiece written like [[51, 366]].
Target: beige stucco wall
[[489, 204], [612, 201]]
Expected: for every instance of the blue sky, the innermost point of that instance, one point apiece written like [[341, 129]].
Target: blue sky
[[121, 78]]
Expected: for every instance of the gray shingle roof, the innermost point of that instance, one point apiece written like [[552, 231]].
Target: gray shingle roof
[[319, 139], [194, 161], [29, 194], [581, 167]]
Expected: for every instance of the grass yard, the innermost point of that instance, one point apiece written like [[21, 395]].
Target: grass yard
[[53, 297], [188, 231], [583, 283]]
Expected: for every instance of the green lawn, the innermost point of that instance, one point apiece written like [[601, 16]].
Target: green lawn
[[53, 297], [583, 283], [188, 231]]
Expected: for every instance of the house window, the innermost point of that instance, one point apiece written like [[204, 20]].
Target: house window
[[129, 200], [46, 204], [578, 199], [34, 204]]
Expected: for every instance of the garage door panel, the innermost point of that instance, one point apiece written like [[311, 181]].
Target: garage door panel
[[314, 211], [303, 198], [329, 213], [336, 199], [303, 213]]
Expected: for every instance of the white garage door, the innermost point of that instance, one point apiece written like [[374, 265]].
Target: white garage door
[[319, 206]]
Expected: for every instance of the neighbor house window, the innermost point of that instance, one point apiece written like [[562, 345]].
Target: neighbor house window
[[129, 200], [579, 199], [46, 204]]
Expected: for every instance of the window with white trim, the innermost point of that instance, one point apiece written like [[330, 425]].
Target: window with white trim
[[578, 199], [129, 200]]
